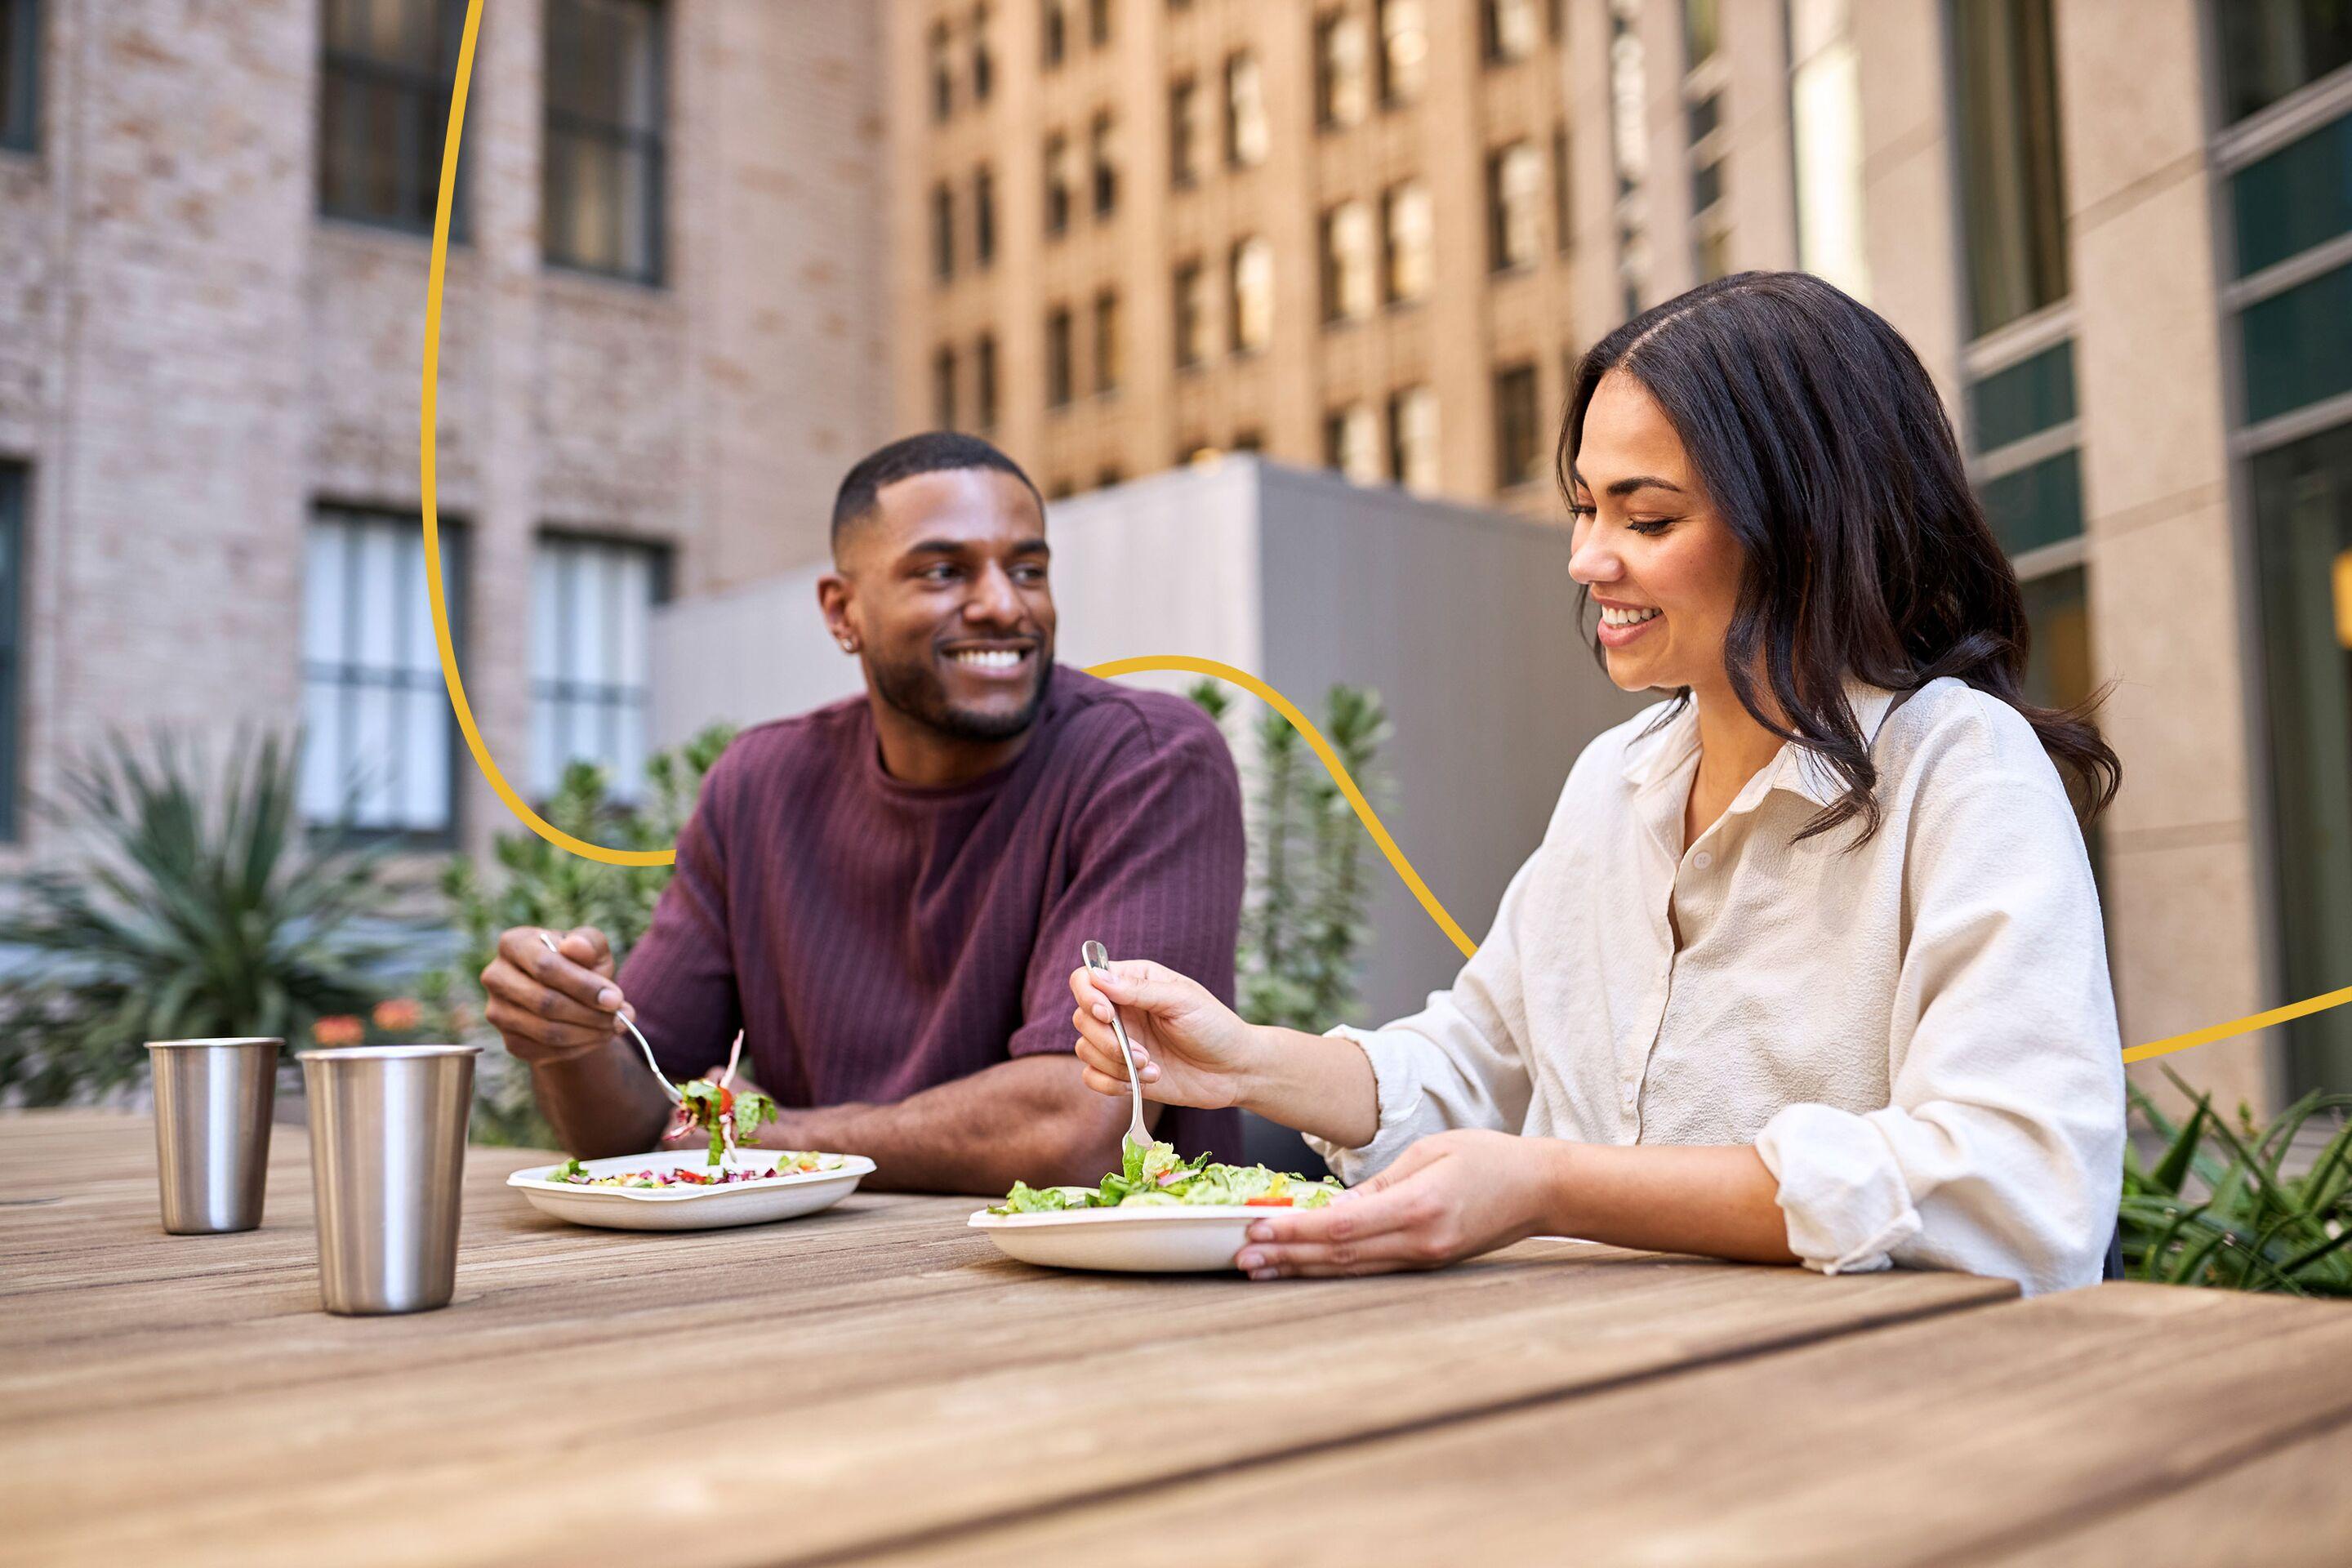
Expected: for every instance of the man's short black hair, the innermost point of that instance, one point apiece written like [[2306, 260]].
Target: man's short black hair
[[931, 452]]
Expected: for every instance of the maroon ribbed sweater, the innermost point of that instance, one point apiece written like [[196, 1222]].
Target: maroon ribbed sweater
[[872, 939]]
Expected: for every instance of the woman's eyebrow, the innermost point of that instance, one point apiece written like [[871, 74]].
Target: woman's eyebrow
[[1643, 482]]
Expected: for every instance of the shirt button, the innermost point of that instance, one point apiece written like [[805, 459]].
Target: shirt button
[[1703, 859]]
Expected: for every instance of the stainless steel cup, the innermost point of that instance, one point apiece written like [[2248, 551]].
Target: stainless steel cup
[[212, 1130], [388, 1162]]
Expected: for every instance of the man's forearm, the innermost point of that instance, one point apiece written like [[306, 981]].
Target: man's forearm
[[601, 1101], [1029, 1120]]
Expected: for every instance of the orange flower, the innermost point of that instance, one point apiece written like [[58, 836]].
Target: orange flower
[[342, 1029], [398, 1014]]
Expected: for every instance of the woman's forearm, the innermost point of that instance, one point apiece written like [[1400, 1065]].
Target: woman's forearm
[[1320, 1084], [1715, 1201]]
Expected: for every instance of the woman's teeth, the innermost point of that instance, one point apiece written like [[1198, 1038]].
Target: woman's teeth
[[990, 658], [1612, 616]]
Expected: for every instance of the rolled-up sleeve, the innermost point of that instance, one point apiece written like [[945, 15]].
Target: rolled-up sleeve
[[1461, 1061], [2001, 1152]]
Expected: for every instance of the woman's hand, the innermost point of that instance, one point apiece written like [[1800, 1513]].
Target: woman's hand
[[1450, 1196], [1190, 1049]]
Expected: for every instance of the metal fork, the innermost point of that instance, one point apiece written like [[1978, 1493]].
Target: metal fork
[[1099, 959]]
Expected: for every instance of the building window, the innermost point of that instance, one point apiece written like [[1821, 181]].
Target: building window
[[1103, 144], [942, 233], [983, 382], [20, 129], [1512, 29], [1563, 194], [1351, 443], [604, 151], [1404, 50], [1412, 439], [1515, 197], [1055, 33], [1192, 315], [1252, 279], [983, 216], [2298, 345], [942, 71], [1518, 439], [1245, 128], [1343, 86], [1061, 182], [983, 60], [1109, 347], [1629, 144], [2269, 47], [1409, 233], [943, 389], [387, 71], [2011, 179], [379, 748], [1059, 375], [1710, 239], [1098, 22], [1186, 132], [591, 660], [1825, 129], [2302, 495], [12, 600], [1702, 32], [1351, 281]]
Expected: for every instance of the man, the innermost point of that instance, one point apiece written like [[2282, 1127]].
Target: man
[[887, 895]]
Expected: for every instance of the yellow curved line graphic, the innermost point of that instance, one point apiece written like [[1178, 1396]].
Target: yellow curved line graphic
[[1174, 662], [1330, 759]]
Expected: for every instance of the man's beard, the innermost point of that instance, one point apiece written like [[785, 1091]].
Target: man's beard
[[914, 688]]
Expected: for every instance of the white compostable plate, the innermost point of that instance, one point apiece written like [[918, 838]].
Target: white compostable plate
[[1155, 1239], [683, 1208]]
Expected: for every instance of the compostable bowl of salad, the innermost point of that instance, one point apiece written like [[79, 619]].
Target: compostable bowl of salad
[[1160, 1215], [682, 1190]]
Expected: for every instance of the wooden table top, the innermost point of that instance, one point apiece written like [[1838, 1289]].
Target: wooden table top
[[876, 1384]]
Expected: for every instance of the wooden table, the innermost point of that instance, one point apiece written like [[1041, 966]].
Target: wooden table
[[875, 1384]]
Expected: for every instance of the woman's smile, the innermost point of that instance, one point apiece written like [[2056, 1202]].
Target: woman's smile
[[1622, 623]]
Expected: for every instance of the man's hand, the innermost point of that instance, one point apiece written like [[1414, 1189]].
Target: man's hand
[[553, 1004]]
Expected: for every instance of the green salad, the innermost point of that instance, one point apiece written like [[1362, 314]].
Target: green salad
[[1155, 1175]]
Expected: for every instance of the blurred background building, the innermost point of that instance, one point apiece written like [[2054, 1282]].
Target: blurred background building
[[710, 249]]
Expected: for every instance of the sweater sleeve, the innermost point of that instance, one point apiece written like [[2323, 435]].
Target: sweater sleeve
[[2002, 1151], [680, 976], [1153, 869]]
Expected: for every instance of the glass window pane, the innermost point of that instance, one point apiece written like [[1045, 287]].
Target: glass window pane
[[2302, 524], [2269, 47], [20, 74], [324, 618], [2011, 179], [324, 750], [2028, 397], [2058, 665], [424, 761], [546, 755], [2298, 345], [2036, 506], [2293, 199], [1825, 112]]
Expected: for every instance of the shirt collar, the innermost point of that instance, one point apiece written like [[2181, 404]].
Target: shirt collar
[[1655, 757]]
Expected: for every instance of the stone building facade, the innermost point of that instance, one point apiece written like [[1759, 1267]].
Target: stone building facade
[[2114, 229], [209, 375]]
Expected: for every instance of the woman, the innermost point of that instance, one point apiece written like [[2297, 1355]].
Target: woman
[[1809, 966]]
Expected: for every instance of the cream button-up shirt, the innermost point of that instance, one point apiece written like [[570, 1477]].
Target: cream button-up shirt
[[1918, 1035]]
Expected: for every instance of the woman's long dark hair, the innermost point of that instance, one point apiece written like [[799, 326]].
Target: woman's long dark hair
[[1823, 448]]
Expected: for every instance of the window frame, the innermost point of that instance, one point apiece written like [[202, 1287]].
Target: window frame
[[15, 507], [653, 146], [457, 552], [660, 555], [437, 89], [20, 129]]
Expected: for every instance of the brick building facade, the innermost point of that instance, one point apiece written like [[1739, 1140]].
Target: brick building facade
[[209, 375]]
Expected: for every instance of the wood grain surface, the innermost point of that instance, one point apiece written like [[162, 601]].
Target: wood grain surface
[[877, 1382]]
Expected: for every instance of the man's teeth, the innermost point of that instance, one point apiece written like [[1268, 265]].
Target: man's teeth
[[990, 658], [1612, 616]]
